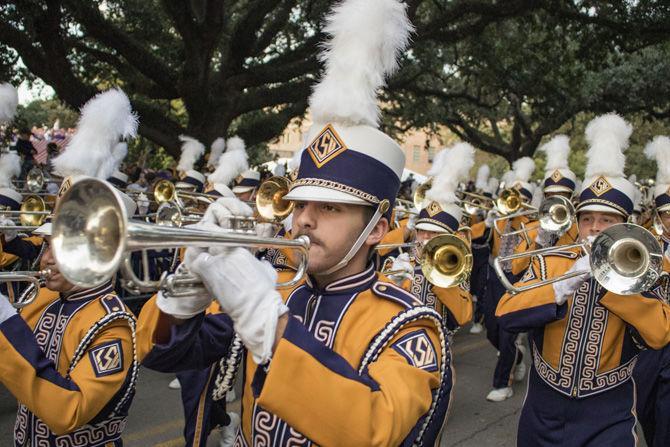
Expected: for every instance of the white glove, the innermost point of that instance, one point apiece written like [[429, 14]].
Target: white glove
[[10, 235], [265, 230], [219, 213], [142, 203], [565, 288], [402, 267], [245, 289], [184, 307], [288, 223], [490, 218], [6, 309]]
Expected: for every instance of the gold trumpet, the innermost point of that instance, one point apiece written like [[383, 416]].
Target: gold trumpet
[[35, 278], [32, 214], [92, 237], [420, 193], [625, 259], [166, 191], [270, 201]]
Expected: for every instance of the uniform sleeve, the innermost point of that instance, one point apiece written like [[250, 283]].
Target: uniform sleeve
[[458, 302], [530, 309], [23, 248], [649, 315], [194, 344], [328, 401], [396, 236], [64, 404], [520, 265]]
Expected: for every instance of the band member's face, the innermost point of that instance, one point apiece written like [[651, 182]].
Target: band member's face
[[423, 236], [55, 281], [332, 228], [665, 218], [565, 194], [592, 223], [245, 196]]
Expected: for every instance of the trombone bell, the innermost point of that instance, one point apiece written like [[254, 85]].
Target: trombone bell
[[556, 214], [446, 261], [509, 201], [33, 212]]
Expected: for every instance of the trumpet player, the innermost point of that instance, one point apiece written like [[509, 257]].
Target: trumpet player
[[652, 370], [509, 366], [584, 338], [307, 345], [441, 215]]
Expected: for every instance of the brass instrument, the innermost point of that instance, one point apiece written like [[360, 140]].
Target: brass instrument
[[35, 278], [509, 202], [35, 180], [92, 238], [166, 191], [625, 259], [270, 201], [473, 202], [420, 193], [32, 214], [556, 215]]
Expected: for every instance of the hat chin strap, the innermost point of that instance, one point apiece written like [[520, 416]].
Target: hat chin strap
[[382, 208]]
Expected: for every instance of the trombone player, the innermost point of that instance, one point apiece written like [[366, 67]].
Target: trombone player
[[584, 337], [307, 345]]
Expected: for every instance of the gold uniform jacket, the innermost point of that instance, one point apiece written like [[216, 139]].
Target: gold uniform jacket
[[328, 383], [69, 363], [588, 344]]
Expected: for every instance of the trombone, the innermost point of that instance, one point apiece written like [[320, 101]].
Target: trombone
[[556, 214], [420, 193], [626, 259], [92, 237], [32, 214], [35, 278]]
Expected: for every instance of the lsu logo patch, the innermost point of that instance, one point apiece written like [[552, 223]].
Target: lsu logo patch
[[326, 146], [64, 186], [106, 358], [556, 176], [600, 186], [433, 209], [418, 350]]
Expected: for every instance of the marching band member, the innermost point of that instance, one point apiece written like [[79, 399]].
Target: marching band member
[[509, 366], [441, 215], [584, 339], [70, 357], [652, 370], [191, 151], [307, 344], [247, 185]]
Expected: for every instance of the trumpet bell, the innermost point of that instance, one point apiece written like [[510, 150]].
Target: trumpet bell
[[556, 214], [420, 193], [270, 199], [165, 191], [509, 201], [168, 215], [31, 208], [626, 259], [446, 261], [35, 180]]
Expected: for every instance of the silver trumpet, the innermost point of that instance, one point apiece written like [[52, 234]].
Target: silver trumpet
[[35, 278], [92, 238], [626, 259], [556, 215]]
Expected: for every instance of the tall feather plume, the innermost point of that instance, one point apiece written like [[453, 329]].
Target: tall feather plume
[[508, 178], [218, 146], [482, 177], [10, 166], [557, 150], [113, 163], [492, 186], [607, 136], [191, 151], [104, 120], [438, 162], [279, 170], [456, 166], [659, 149], [9, 101], [523, 169], [231, 163], [294, 162], [366, 38]]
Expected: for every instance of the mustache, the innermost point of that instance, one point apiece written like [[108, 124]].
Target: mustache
[[313, 239]]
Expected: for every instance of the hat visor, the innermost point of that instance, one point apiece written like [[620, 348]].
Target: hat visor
[[309, 193], [242, 189], [555, 188], [425, 226], [184, 185], [223, 190], [43, 230], [600, 208]]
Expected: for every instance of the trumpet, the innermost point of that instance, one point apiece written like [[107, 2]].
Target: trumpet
[[92, 238], [170, 215], [35, 278], [509, 202], [420, 193], [555, 215], [472, 202], [166, 191], [270, 201], [625, 259], [35, 180]]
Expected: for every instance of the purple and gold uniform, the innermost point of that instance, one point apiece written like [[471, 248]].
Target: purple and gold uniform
[[69, 361], [298, 397]]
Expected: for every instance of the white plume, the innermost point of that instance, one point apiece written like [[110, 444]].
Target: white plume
[[492, 186], [279, 170], [438, 162], [456, 167], [482, 177], [113, 163], [632, 178], [9, 101], [104, 120], [191, 151], [557, 150], [508, 178], [10, 166], [607, 136], [366, 38], [637, 198], [523, 168], [231, 163], [294, 163], [218, 146], [659, 149]]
